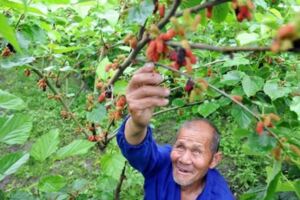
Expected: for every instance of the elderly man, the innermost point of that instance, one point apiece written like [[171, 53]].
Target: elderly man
[[185, 171]]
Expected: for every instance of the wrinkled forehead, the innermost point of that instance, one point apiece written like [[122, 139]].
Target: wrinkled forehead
[[197, 132]]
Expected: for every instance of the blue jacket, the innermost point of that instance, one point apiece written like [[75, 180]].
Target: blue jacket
[[154, 162]]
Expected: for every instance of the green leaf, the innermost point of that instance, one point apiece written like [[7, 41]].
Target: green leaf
[[15, 61], [232, 77], [52, 183], [140, 12], [10, 101], [77, 147], [242, 117], [208, 108], [120, 87], [100, 71], [61, 49], [97, 114], [247, 38], [112, 164], [272, 180], [189, 3], [236, 61], [241, 133], [8, 33], [178, 102], [15, 129], [45, 145], [220, 12], [224, 101], [295, 106], [112, 16], [289, 186], [272, 89], [10, 163], [20, 7], [21, 195], [259, 144], [57, 1], [252, 84], [79, 184]]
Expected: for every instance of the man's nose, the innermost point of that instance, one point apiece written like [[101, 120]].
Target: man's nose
[[185, 158]]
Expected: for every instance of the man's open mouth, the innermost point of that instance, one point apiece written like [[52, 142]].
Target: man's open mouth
[[183, 170]]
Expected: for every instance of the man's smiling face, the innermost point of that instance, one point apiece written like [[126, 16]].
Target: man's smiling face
[[192, 155]]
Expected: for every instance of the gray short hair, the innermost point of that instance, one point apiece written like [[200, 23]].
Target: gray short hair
[[216, 133]]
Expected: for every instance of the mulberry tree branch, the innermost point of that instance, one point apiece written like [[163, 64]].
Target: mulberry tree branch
[[219, 49], [61, 100], [202, 6], [121, 179], [145, 39]]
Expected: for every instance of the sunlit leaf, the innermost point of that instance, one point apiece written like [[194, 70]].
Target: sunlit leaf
[[52, 183], [273, 178], [10, 101], [295, 106], [15, 61], [139, 13], [77, 147], [112, 164], [252, 84], [208, 108], [15, 129], [272, 89], [97, 114], [10, 163], [45, 146], [8, 33]]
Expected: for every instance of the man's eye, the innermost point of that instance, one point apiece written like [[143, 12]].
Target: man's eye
[[179, 147], [196, 152]]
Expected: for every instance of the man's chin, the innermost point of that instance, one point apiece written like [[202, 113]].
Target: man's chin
[[182, 179]]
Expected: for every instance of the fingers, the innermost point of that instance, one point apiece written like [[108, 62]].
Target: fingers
[[145, 79], [148, 91], [143, 91], [148, 102], [145, 76], [147, 68]]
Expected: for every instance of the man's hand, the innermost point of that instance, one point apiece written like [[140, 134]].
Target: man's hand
[[143, 95]]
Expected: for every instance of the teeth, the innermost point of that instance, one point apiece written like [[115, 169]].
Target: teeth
[[185, 171]]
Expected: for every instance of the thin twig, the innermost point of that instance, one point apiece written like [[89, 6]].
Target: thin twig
[[77, 94], [199, 7], [220, 49], [22, 16], [121, 179], [177, 107]]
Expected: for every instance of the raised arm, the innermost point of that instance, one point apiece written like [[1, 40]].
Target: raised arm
[[143, 95]]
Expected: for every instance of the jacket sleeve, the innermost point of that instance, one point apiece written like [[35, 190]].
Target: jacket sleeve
[[147, 157]]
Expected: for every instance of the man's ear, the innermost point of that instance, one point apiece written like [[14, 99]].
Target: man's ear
[[217, 157]]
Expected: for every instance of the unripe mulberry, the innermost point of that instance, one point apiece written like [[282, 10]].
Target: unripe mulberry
[[101, 97], [161, 8], [260, 127], [91, 138], [121, 102]]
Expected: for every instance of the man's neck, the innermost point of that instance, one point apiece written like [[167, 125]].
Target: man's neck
[[192, 191]]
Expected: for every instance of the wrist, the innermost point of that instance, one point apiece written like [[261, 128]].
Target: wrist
[[134, 134]]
